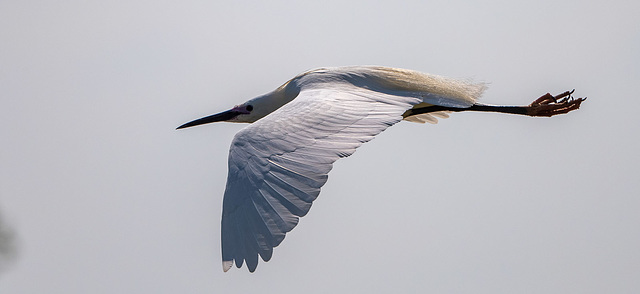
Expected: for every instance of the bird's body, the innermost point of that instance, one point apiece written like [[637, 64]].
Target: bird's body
[[278, 164]]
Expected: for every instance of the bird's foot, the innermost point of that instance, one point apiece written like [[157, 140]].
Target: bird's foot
[[549, 105]]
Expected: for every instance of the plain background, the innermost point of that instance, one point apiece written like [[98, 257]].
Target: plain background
[[100, 194]]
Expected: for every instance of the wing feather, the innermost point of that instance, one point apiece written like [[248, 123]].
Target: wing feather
[[278, 164]]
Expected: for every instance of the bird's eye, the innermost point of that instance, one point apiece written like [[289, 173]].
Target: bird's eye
[[249, 107]]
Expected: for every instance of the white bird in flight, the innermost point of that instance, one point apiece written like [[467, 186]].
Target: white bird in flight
[[279, 162]]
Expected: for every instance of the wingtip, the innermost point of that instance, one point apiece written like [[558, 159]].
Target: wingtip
[[226, 265]]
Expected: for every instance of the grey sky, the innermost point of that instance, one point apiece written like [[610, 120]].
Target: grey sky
[[104, 196]]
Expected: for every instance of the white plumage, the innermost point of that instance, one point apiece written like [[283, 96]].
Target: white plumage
[[278, 164]]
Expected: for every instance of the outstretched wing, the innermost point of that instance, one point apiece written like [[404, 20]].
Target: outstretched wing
[[278, 164]]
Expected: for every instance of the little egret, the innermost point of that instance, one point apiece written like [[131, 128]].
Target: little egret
[[278, 164]]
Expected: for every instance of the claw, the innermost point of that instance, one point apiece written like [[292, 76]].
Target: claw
[[549, 105]]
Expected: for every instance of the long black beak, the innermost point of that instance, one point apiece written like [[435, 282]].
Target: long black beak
[[222, 116]]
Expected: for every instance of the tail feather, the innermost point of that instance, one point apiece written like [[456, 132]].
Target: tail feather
[[431, 117]]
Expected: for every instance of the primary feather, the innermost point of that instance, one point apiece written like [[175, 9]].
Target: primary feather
[[278, 164]]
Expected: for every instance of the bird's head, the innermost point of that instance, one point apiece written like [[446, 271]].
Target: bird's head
[[247, 112], [251, 110]]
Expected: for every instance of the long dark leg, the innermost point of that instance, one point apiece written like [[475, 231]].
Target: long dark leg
[[547, 105]]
